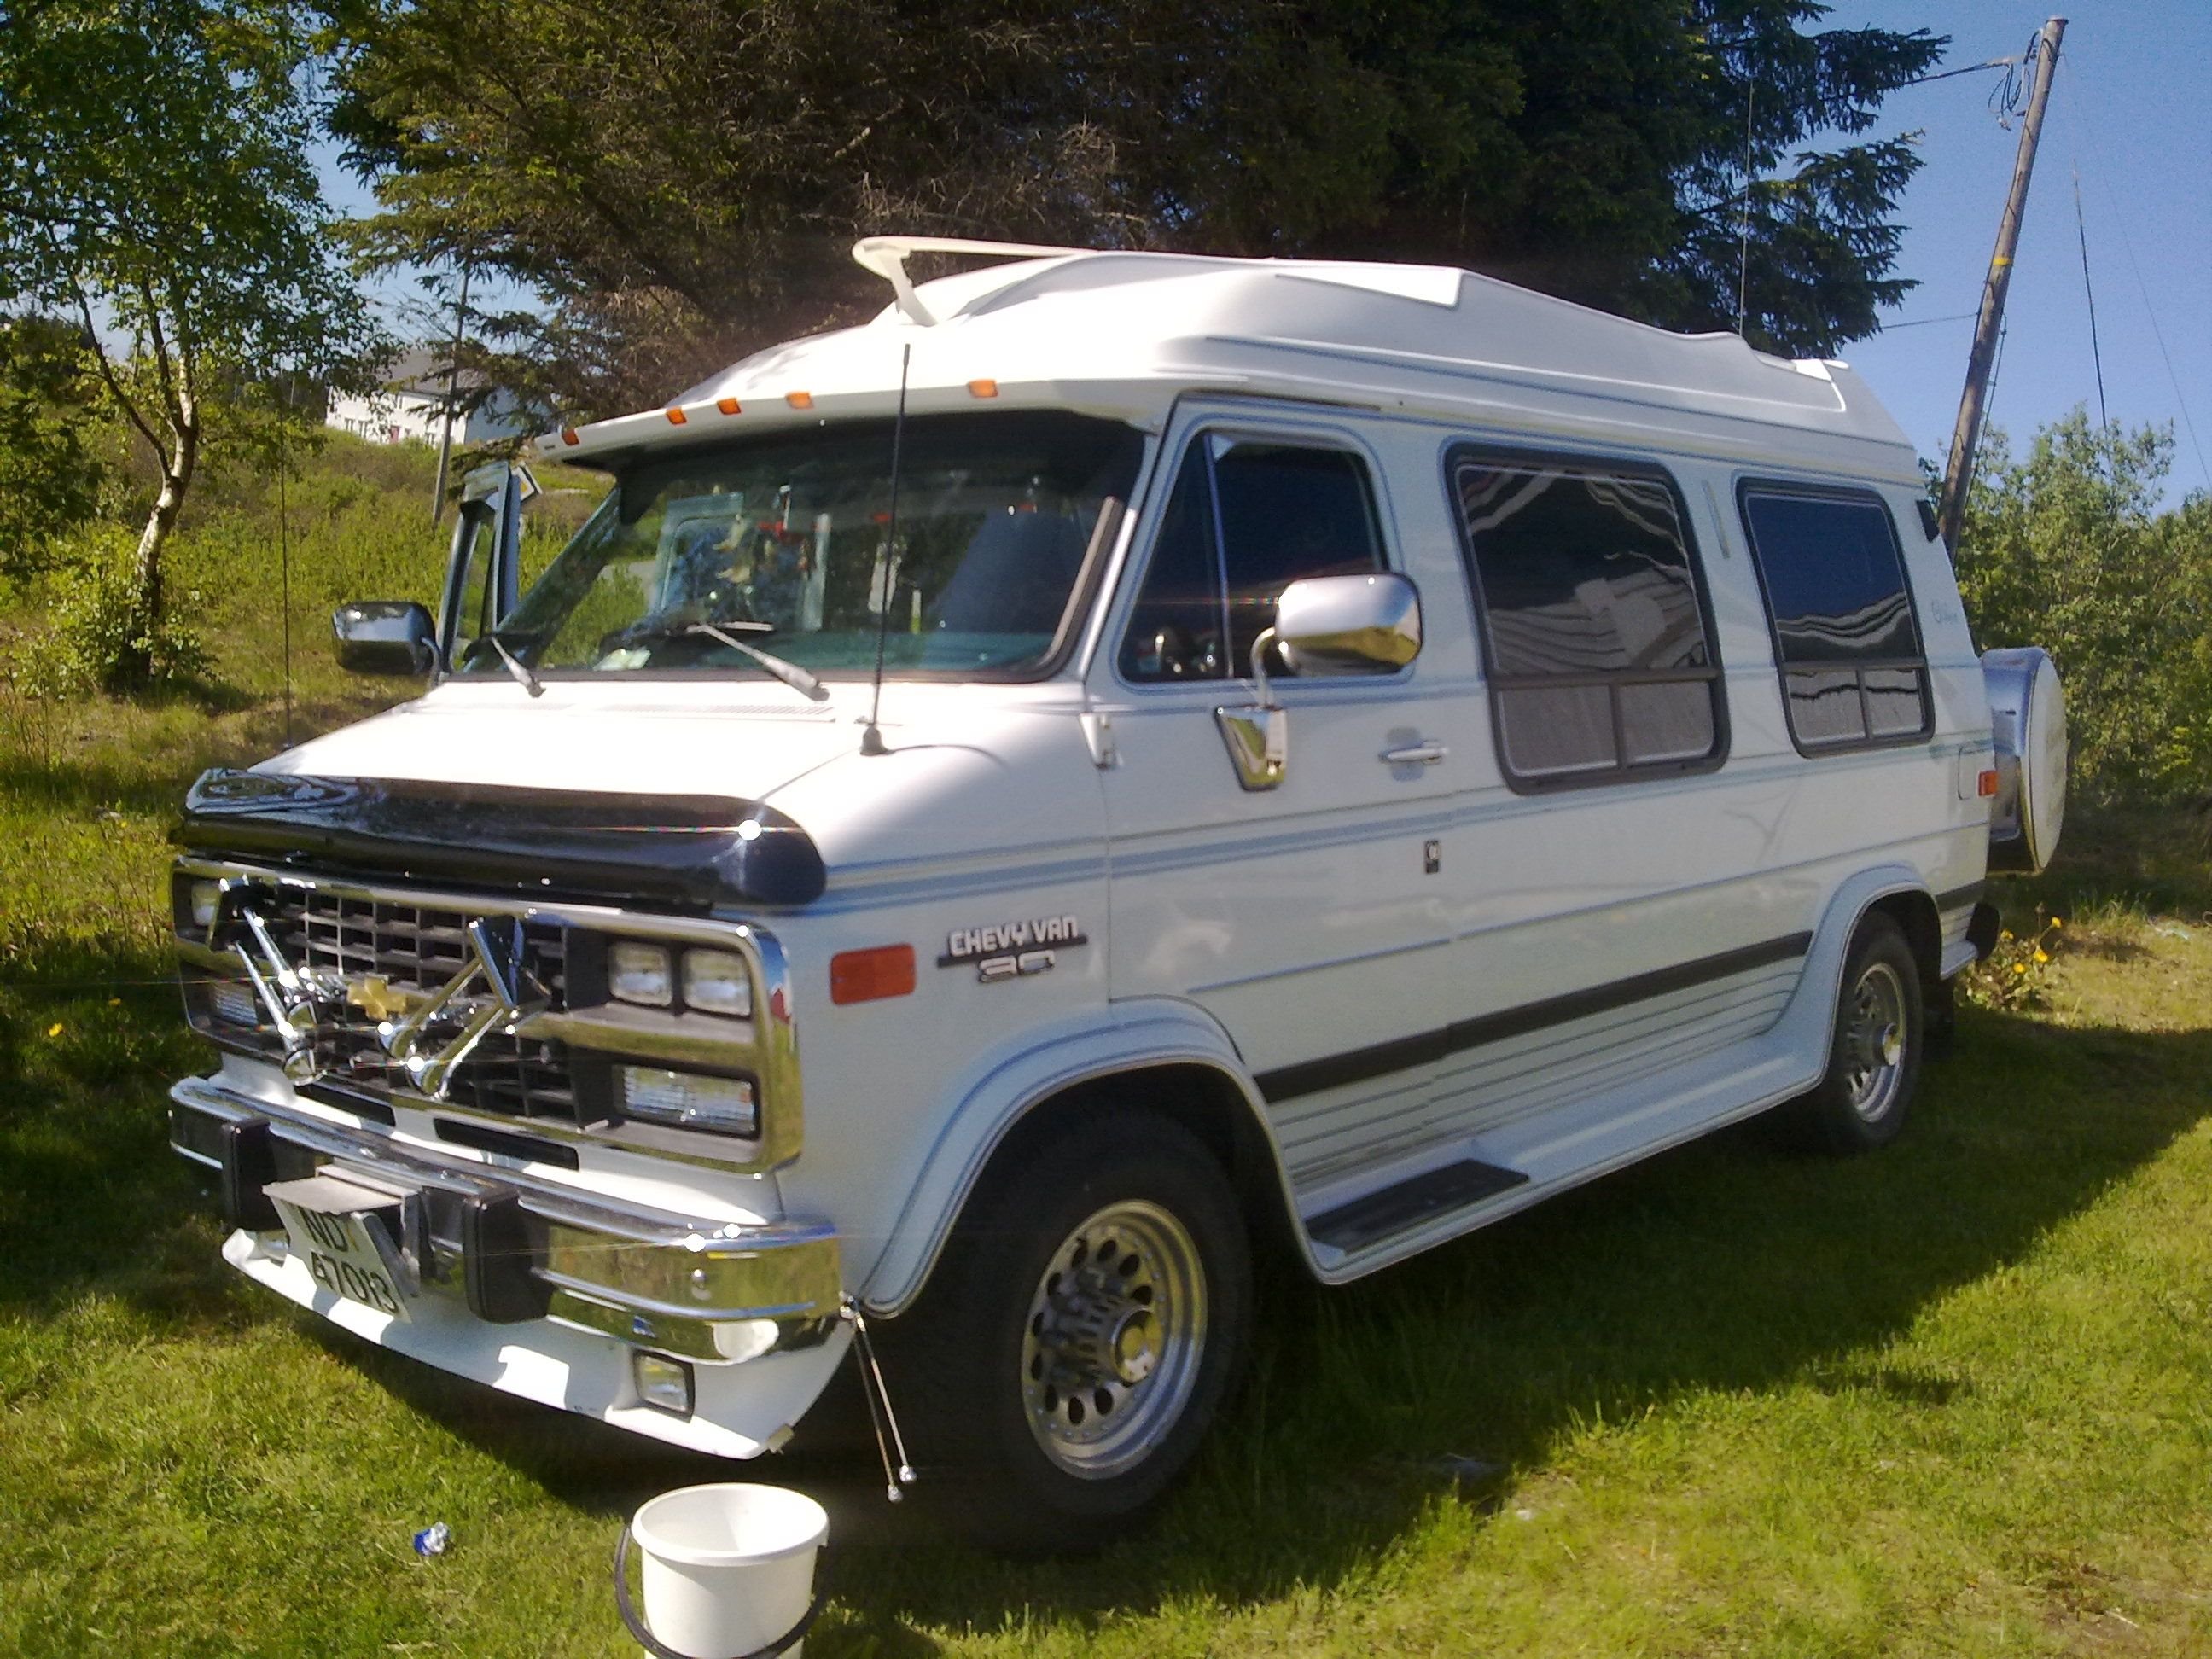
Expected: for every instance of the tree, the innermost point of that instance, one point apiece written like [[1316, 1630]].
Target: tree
[[682, 178], [49, 482], [2067, 549], [155, 188]]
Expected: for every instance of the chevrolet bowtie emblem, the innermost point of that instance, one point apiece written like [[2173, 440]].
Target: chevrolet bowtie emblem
[[374, 996]]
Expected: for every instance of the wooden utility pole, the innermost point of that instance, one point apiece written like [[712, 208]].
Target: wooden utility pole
[[1959, 475], [453, 385]]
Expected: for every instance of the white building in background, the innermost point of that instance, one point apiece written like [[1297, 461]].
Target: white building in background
[[410, 407]]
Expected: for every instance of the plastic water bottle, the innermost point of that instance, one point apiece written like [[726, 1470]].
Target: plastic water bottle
[[433, 1539]]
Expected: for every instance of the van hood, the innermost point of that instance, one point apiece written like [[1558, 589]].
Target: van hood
[[571, 739], [679, 794], [482, 792]]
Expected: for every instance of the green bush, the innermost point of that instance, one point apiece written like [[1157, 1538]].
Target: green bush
[[100, 638], [2067, 549]]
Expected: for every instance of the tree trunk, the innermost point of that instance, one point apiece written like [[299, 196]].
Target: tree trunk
[[136, 665]]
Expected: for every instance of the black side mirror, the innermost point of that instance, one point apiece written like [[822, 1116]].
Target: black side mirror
[[385, 636]]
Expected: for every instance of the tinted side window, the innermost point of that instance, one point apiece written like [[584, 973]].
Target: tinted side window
[[1595, 631], [1853, 670], [1246, 520]]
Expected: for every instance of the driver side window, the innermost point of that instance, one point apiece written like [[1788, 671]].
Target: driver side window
[[1248, 517]]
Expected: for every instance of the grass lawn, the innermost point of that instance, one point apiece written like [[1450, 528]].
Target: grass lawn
[[1955, 1399]]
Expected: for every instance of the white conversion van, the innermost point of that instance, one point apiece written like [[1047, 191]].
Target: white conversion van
[[1121, 762]]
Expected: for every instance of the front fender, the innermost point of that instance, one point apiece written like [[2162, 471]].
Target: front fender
[[1122, 1036]]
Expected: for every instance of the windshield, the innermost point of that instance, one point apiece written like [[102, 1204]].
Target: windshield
[[782, 544]]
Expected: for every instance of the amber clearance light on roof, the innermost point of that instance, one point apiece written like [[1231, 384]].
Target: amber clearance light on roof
[[728, 405], [867, 975], [677, 417], [983, 388], [799, 399]]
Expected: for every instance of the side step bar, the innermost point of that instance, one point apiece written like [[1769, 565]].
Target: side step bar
[[1353, 1226]]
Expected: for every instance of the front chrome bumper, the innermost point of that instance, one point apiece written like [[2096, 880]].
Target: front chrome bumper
[[510, 1247]]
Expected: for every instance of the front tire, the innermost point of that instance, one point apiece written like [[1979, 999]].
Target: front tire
[[1092, 1309], [1874, 1052]]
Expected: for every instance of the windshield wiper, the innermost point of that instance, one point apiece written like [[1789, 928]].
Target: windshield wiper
[[789, 673], [523, 678]]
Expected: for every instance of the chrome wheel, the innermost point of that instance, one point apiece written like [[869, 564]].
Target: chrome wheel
[[1116, 1329], [1874, 1041]]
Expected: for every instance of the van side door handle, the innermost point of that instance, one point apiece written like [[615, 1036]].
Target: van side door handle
[[1427, 752]]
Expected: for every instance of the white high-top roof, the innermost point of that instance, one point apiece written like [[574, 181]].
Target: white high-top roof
[[1125, 334]]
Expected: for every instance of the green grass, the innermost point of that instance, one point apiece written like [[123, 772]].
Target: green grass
[[1951, 1400]]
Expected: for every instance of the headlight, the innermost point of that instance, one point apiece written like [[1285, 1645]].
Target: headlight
[[683, 1100], [206, 903], [640, 973], [718, 982]]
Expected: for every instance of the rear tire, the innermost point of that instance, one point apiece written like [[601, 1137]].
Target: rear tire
[[1092, 1309], [1875, 1050]]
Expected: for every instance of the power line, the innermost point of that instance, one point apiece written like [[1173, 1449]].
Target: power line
[[2097, 357], [2128, 247], [1945, 75], [1923, 322]]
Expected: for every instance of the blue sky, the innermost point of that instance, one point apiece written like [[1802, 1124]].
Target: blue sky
[[2132, 111], [2130, 108]]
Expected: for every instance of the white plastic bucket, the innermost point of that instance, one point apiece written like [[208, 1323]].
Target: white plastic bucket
[[728, 1569]]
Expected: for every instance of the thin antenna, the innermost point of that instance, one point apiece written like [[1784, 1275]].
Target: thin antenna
[[2097, 357], [1743, 224], [284, 546], [871, 739]]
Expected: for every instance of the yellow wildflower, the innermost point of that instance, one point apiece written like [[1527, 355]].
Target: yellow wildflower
[[2041, 956], [2058, 921], [54, 1029], [2020, 967]]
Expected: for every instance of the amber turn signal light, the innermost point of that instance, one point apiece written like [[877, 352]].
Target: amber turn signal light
[[868, 976], [1987, 784]]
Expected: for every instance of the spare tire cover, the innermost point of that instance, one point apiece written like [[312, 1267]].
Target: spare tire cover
[[2027, 719]]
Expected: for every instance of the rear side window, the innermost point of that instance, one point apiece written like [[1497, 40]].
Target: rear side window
[[1594, 620], [1854, 673], [1246, 520]]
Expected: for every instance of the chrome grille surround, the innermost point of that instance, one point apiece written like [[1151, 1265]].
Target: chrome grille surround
[[345, 961]]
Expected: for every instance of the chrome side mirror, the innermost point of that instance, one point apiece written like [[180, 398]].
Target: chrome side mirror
[[1326, 627], [1333, 625], [384, 636]]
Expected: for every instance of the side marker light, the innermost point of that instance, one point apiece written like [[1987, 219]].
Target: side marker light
[[568, 436], [869, 975], [1987, 784]]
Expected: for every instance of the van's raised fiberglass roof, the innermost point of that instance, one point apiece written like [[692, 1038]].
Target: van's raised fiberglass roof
[[1125, 334]]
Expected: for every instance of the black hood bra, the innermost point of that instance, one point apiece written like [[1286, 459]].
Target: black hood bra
[[689, 851]]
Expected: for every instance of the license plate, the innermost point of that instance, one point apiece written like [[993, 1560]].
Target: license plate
[[340, 1242]]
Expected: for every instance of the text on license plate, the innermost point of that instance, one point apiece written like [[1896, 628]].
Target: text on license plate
[[341, 1257]]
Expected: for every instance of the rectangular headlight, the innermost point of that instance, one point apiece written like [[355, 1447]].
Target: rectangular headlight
[[663, 1383], [640, 973], [684, 1100], [206, 898], [718, 982]]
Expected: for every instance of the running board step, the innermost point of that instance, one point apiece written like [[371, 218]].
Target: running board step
[[1394, 1209]]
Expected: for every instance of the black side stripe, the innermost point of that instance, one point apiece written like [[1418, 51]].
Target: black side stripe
[[1334, 1071], [1958, 897]]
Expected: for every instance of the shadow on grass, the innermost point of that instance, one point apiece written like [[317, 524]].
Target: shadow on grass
[[1724, 1266]]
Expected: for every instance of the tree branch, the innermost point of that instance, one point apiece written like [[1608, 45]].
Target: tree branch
[[107, 373]]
